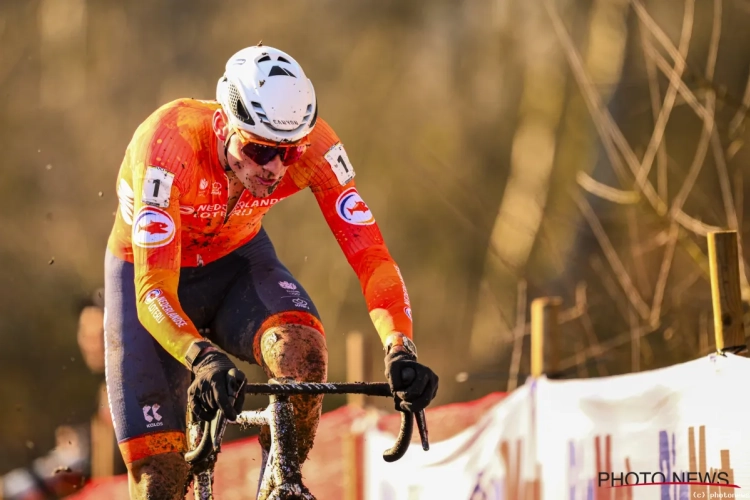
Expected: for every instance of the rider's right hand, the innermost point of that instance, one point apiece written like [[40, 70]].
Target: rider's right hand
[[217, 385]]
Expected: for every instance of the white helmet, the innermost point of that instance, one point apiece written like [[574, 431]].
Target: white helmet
[[265, 92]]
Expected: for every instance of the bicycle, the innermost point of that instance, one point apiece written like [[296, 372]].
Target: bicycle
[[282, 478]]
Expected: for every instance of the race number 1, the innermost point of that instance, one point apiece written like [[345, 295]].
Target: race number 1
[[157, 187], [336, 157]]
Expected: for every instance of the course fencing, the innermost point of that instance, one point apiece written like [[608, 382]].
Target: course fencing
[[675, 433]]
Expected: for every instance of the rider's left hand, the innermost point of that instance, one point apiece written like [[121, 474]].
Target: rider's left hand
[[413, 384]]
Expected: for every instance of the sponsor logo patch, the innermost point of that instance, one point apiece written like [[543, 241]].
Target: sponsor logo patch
[[300, 303], [403, 289], [352, 208], [241, 209], [153, 228], [160, 308], [152, 295], [151, 416], [287, 285]]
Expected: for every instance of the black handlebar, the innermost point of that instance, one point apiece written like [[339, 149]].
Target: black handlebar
[[289, 388], [215, 428]]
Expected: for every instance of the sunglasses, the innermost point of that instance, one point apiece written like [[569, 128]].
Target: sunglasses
[[262, 154]]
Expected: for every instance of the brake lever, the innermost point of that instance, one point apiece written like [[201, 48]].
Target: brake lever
[[211, 433], [218, 426], [422, 427]]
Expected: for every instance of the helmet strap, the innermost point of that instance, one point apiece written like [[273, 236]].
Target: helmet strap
[[227, 168]]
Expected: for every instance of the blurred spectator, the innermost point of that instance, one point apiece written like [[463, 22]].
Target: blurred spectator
[[82, 451], [91, 336]]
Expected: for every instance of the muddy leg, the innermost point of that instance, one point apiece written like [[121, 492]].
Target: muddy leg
[[298, 352], [158, 477]]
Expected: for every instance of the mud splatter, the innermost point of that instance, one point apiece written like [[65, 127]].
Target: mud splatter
[[162, 476]]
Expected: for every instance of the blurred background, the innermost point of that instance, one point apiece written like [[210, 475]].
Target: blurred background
[[509, 150]]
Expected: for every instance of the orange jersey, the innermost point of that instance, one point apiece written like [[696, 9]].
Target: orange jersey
[[172, 194]]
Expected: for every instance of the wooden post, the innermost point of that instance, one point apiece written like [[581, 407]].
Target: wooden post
[[545, 352], [354, 465], [102, 441], [353, 440], [355, 365], [724, 264], [102, 449]]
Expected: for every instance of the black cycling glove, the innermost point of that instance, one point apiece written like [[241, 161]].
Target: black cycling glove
[[217, 385], [413, 384]]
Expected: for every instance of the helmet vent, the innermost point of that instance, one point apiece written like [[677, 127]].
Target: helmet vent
[[264, 58], [283, 59], [260, 111], [238, 107], [279, 71]]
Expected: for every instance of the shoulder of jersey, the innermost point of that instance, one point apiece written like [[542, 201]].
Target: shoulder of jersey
[[325, 164], [181, 113], [173, 134], [322, 138]]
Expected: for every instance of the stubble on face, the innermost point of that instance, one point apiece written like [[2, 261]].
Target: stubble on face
[[247, 172]]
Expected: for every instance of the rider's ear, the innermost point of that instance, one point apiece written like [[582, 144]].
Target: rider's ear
[[220, 125]]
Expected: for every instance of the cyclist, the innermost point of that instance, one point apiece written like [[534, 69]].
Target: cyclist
[[187, 251]]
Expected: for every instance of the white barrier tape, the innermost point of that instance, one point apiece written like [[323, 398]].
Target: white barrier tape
[[575, 440]]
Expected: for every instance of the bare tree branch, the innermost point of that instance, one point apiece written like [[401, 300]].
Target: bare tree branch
[[695, 225], [639, 266], [657, 32], [685, 92], [588, 329], [679, 288], [655, 94], [739, 208], [635, 343], [583, 371], [695, 167], [614, 261], [605, 125], [606, 346], [519, 334], [724, 183], [703, 341], [666, 109], [692, 249], [657, 240], [661, 282], [713, 49], [606, 192], [610, 287]]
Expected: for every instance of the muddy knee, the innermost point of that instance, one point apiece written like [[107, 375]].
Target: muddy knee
[[298, 352], [158, 477]]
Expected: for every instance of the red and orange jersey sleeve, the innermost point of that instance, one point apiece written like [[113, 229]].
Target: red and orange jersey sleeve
[[354, 226], [160, 155]]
